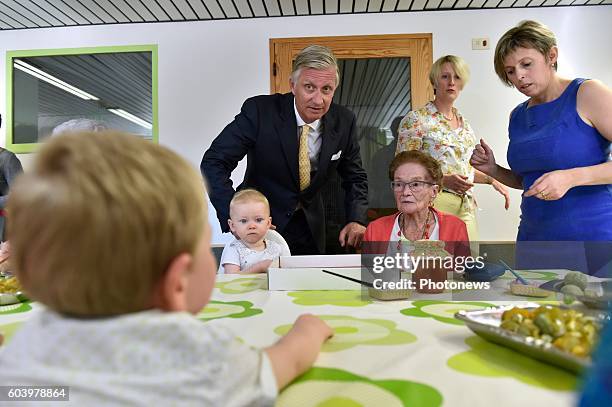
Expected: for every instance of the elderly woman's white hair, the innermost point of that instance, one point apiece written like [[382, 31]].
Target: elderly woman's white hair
[[78, 125]]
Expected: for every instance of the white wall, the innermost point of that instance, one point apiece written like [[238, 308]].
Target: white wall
[[207, 69]]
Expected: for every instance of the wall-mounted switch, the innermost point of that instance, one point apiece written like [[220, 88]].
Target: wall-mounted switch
[[480, 43]]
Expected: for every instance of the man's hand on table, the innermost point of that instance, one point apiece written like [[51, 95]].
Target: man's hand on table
[[352, 235]]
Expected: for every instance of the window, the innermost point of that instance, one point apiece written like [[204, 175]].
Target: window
[[114, 85]]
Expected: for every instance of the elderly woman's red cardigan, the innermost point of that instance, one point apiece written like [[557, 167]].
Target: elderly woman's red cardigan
[[452, 231]]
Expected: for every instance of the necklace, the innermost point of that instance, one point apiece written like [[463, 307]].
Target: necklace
[[453, 113], [453, 117], [424, 233]]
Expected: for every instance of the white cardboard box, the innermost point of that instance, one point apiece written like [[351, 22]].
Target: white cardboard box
[[312, 278], [322, 261]]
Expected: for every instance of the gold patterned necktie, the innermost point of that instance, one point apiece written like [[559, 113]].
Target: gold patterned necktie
[[304, 159]]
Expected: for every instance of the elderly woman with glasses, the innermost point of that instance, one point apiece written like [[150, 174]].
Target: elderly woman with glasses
[[415, 180], [439, 129]]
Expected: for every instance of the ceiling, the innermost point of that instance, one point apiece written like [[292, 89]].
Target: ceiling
[[24, 14]]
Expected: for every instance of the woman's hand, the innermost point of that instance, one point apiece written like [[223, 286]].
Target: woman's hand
[[552, 185], [457, 183], [499, 187], [483, 158]]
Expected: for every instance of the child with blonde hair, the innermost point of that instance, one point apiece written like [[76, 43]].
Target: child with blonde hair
[[250, 251], [110, 233]]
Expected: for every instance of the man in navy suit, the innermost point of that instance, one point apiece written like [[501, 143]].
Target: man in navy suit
[[268, 129]]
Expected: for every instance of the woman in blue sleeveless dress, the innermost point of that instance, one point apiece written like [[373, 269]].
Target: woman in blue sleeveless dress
[[559, 144]]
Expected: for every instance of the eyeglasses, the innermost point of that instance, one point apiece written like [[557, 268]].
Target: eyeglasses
[[414, 186]]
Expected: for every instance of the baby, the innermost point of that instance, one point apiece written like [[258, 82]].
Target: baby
[[249, 221], [110, 234]]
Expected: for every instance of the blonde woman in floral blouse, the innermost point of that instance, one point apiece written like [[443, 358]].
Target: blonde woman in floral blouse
[[440, 130]]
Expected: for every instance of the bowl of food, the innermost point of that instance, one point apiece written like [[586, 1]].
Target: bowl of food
[[558, 335], [10, 290], [568, 330], [528, 290], [432, 270]]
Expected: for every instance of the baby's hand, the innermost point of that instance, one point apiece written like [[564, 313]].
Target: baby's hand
[[264, 264], [296, 352], [313, 326], [259, 267], [5, 248]]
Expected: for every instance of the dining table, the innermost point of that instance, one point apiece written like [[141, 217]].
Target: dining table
[[409, 352]]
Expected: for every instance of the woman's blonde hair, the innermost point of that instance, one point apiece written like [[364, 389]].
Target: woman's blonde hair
[[248, 195], [100, 218], [459, 65], [527, 34]]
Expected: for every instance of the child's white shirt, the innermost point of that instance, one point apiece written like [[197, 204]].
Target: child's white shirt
[[145, 358], [236, 252]]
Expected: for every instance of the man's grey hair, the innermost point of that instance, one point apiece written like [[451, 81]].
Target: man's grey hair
[[316, 57], [77, 126]]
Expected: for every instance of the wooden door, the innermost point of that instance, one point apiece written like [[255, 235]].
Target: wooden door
[[416, 47], [382, 77]]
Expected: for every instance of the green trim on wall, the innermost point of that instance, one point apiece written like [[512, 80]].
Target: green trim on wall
[[153, 49], [21, 148]]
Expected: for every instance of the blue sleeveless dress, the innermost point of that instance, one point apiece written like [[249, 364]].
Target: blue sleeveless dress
[[552, 136]]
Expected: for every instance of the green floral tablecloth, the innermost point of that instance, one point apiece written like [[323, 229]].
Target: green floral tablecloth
[[383, 354], [400, 353]]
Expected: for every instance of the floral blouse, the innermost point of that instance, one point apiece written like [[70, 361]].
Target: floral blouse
[[425, 129]]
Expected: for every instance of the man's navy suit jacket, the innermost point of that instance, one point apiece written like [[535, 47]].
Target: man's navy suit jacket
[[266, 132]]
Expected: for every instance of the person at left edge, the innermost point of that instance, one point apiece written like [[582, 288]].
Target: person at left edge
[[10, 167], [267, 130]]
